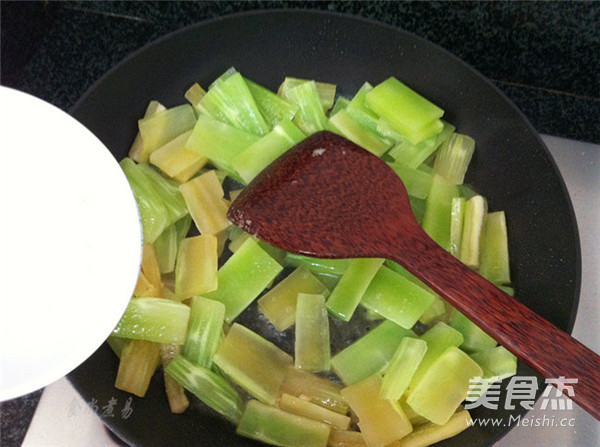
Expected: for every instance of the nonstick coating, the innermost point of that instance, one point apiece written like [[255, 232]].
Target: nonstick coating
[[512, 168]]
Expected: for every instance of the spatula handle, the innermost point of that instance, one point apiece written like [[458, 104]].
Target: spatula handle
[[547, 349]]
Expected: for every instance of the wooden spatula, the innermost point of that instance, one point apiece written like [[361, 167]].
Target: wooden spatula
[[329, 198]]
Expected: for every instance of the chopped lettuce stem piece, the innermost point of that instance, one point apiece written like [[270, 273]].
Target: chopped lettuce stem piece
[[350, 128], [318, 265], [475, 339], [374, 349], [138, 151], [340, 104], [243, 277], [381, 421], [278, 427], [453, 157], [194, 94], [310, 410], [196, 268], [162, 127], [231, 102], [139, 360], [497, 364], [474, 220], [314, 388], [396, 298], [178, 401], [255, 364], [402, 367], [408, 112], [438, 210], [416, 181], [154, 319], [274, 108], [494, 261], [176, 160], [325, 90], [444, 386], [263, 152], [435, 312], [279, 303], [219, 142], [348, 292], [204, 198], [212, 389], [430, 433], [159, 202], [439, 338], [361, 112], [312, 344], [346, 438], [413, 155], [310, 117], [167, 244], [204, 331], [457, 218]]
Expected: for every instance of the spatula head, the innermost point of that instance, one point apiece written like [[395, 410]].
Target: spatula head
[[326, 197]]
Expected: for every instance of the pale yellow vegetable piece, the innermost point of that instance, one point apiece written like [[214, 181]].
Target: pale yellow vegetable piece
[[139, 360], [204, 198], [301, 407], [430, 433], [137, 151], [176, 160], [196, 267]]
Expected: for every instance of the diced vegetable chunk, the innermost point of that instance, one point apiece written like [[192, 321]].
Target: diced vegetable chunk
[[438, 210], [494, 264], [474, 219], [278, 427], [312, 344], [243, 277], [381, 422], [205, 330], [402, 367], [430, 433], [255, 364], [139, 360], [307, 409], [196, 268]]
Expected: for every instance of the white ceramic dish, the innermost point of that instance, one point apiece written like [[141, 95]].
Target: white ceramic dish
[[70, 243]]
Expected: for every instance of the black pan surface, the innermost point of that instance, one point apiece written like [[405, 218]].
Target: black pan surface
[[512, 168]]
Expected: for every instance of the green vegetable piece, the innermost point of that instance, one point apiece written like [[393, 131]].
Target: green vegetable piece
[[497, 364], [277, 427], [396, 298], [313, 411], [208, 386], [350, 128], [444, 386], [381, 421], [154, 319], [453, 158], [312, 344], [340, 104], [231, 102], [159, 201], [273, 107], [196, 269], [361, 112], [494, 265], [457, 218], [408, 112], [162, 127], [413, 155], [263, 152], [430, 433], [205, 329], [346, 295], [439, 338], [255, 364], [310, 117], [402, 367], [167, 244], [326, 91], [243, 277], [318, 265], [474, 219], [435, 312], [219, 142], [315, 389], [369, 354], [438, 210], [279, 303], [475, 339], [416, 181]]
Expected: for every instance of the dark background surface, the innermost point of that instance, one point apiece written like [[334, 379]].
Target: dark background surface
[[545, 56]]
